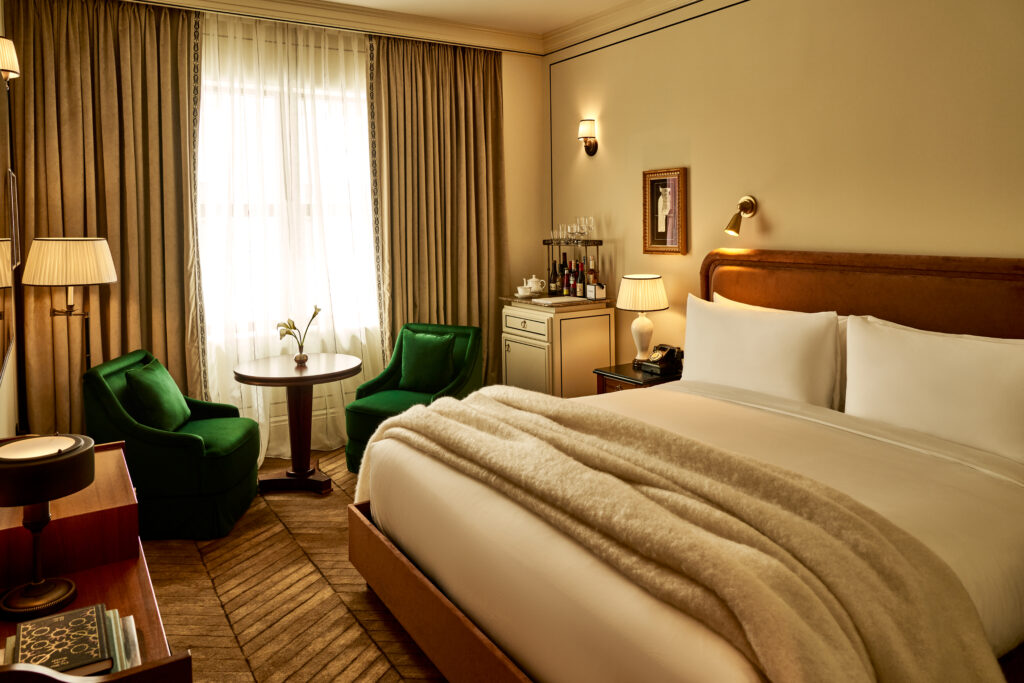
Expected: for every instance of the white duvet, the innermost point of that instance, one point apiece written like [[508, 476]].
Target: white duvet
[[565, 616]]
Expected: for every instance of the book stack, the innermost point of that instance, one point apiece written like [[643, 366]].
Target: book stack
[[89, 640]]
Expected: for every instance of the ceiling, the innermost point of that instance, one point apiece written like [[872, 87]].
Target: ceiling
[[536, 17]]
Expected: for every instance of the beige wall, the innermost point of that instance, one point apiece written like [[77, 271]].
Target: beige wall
[[527, 162], [859, 126]]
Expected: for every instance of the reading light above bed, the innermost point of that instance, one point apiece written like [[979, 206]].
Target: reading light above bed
[[746, 208]]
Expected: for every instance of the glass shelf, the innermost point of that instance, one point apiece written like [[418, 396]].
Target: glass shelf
[[571, 241]]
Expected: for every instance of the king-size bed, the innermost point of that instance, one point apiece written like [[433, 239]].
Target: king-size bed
[[768, 534]]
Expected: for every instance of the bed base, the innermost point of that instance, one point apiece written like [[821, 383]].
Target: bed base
[[459, 650]]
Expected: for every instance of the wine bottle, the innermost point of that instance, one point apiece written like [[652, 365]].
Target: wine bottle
[[592, 273], [572, 283], [565, 282], [581, 283], [554, 281]]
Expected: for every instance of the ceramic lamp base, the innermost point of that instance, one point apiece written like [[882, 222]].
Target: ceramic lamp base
[[642, 329], [36, 599]]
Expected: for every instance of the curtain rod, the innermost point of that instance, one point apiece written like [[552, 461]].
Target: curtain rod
[[316, 24]]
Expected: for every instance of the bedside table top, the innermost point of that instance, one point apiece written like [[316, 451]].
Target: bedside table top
[[627, 373]]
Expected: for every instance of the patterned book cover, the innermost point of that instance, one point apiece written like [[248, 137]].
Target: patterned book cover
[[72, 642]]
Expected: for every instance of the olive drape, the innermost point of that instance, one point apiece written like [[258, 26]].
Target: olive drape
[[438, 187], [104, 117]]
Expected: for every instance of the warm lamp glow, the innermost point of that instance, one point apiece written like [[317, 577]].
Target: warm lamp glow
[[642, 293], [588, 134], [68, 262], [5, 262], [9, 67], [746, 208]]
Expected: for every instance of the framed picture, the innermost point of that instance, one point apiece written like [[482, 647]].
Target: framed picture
[[665, 224]]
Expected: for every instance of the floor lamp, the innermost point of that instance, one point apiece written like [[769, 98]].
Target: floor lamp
[[69, 262]]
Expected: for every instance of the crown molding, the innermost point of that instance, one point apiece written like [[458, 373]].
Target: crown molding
[[350, 17], [610, 20]]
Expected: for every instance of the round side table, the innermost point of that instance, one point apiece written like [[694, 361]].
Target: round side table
[[281, 371]]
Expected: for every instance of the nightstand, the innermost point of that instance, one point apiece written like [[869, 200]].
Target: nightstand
[[625, 376]]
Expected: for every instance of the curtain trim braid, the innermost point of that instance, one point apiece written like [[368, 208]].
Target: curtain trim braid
[[196, 352], [383, 297]]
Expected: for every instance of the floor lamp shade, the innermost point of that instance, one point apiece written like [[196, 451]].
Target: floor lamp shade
[[642, 293], [9, 67], [68, 262]]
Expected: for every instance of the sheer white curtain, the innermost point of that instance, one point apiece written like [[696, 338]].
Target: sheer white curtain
[[284, 211]]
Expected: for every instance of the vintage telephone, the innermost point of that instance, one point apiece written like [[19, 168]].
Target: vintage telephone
[[664, 360]]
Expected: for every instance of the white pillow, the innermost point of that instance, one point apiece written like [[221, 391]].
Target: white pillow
[[839, 395], [959, 387], [782, 353]]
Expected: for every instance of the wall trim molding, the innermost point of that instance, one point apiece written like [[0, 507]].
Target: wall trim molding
[[381, 22], [608, 21]]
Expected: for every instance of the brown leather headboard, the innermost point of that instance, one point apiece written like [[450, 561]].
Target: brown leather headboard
[[967, 295]]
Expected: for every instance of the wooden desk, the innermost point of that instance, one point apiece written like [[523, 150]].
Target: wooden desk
[[281, 371], [93, 539]]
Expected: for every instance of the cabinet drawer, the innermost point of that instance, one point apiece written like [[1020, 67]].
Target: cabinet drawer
[[527, 327], [606, 385]]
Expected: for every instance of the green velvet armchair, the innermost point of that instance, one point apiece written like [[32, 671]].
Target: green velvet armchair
[[193, 463], [429, 361]]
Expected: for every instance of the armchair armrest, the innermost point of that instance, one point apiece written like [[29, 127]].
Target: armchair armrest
[[469, 379], [205, 410], [386, 380], [157, 460]]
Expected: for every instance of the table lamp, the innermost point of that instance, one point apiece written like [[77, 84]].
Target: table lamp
[[33, 471], [642, 293]]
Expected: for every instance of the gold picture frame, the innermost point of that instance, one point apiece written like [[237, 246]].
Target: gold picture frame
[[665, 220]]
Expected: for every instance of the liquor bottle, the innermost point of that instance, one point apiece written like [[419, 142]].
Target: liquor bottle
[[554, 281], [592, 273], [565, 281]]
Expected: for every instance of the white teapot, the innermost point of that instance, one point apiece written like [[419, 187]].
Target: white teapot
[[536, 285]]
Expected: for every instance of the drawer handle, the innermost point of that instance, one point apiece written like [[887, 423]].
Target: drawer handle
[[508, 347], [522, 324]]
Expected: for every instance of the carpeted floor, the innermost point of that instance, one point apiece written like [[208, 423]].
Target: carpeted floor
[[278, 600]]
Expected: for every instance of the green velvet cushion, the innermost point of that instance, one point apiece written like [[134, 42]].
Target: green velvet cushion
[[156, 400], [427, 363], [363, 416], [231, 444]]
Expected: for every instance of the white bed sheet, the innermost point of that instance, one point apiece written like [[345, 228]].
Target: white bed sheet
[[565, 616]]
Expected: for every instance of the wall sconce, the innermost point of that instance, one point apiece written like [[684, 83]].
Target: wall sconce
[[746, 208], [588, 134]]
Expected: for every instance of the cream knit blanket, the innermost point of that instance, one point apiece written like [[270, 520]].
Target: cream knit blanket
[[806, 582]]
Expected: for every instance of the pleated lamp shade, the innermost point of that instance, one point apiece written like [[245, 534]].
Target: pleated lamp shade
[[68, 261], [5, 262], [642, 293], [9, 67]]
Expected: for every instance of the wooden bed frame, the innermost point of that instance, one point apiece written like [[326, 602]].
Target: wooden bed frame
[[967, 295]]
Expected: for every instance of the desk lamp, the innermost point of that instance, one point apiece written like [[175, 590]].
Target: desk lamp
[[642, 293], [33, 471]]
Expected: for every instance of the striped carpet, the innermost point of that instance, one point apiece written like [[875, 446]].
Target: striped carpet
[[278, 600]]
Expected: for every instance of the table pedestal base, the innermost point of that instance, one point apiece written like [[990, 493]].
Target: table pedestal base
[[316, 481]]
